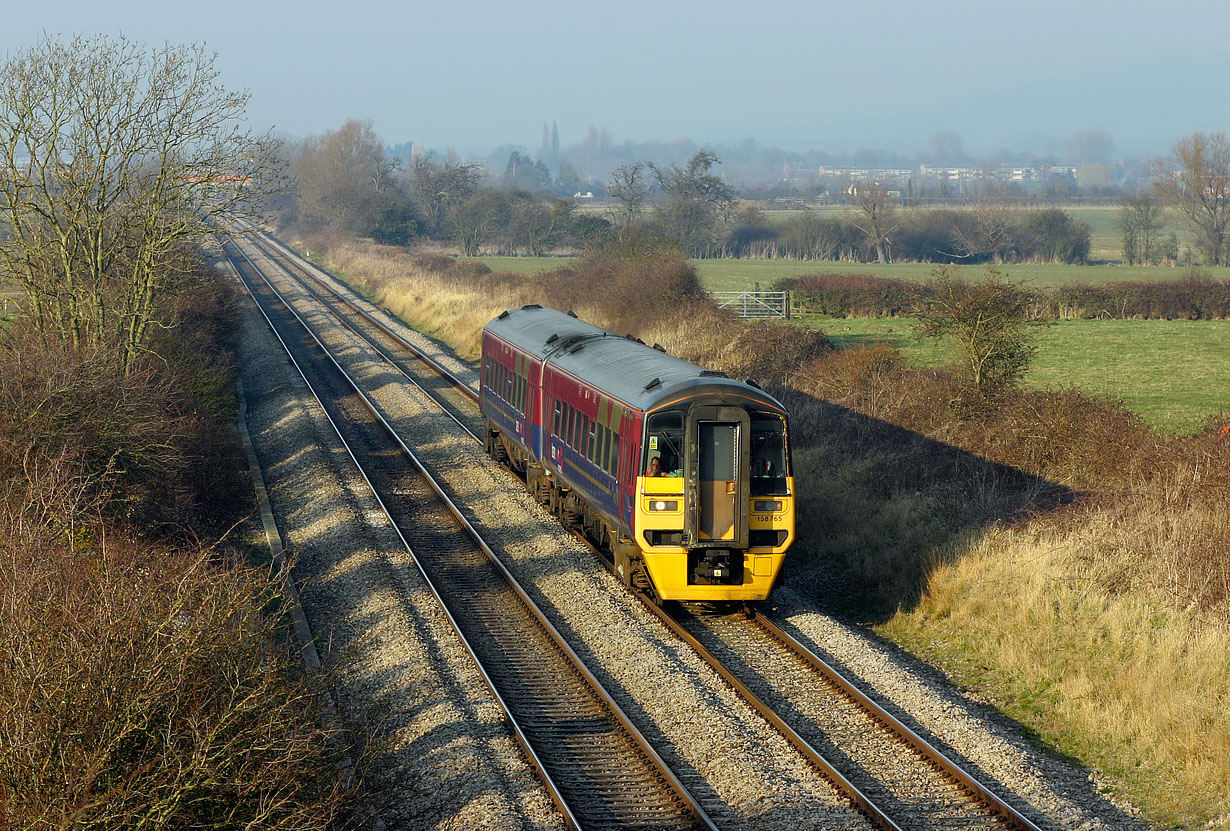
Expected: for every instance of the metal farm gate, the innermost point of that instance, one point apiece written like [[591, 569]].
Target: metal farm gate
[[754, 304]]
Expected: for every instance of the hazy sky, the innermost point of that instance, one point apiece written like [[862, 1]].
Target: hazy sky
[[837, 76]]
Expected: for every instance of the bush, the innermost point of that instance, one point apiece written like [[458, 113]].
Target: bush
[[851, 295], [1195, 296], [1053, 236], [144, 687]]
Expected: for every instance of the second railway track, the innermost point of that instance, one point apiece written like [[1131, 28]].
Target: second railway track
[[601, 771], [897, 778]]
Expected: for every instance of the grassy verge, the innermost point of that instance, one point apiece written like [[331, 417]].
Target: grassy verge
[[1173, 373], [1117, 678], [1056, 555]]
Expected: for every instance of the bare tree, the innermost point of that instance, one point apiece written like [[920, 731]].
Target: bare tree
[[988, 232], [1141, 220], [539, 223], [1195, 179], [876, 214], [474, 221], [695, 199], [437, 187], [629, 188], [342, 176], [988, 322], [115, 156], [1091, 146]]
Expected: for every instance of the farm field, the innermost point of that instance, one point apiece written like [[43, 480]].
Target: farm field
[[743, 275], [1173, 373]]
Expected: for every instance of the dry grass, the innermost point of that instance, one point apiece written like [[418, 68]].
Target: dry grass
[[1118, 677], [1053, 551], [447, 305]]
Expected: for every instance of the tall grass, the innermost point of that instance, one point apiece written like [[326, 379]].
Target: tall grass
[[1053, 551]]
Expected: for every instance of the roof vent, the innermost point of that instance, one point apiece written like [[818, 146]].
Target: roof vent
[[659, 347], [571, 313], [553, 338], [656, 382], [752, 383], [531, 306], [503, 315], [712, 373]]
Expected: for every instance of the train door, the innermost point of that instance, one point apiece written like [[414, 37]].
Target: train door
[[717, 477]]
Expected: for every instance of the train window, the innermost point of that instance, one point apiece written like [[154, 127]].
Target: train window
[[555, 421], [769, 461], [604, 460], [587, 435], [615, 456], [664, 442]]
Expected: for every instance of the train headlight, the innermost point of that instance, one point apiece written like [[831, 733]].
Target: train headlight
[[767, 506], [664, 505]]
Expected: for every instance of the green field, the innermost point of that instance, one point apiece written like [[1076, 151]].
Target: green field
[[741, 275], [1173, 373]]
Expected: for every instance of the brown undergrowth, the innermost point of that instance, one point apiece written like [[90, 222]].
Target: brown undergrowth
[[146, 679], [1046, 548]]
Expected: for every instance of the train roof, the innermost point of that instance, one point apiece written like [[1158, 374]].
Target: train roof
[[641, 376]]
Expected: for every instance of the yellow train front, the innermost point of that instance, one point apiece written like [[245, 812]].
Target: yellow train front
[[714, 498], [679, 474]]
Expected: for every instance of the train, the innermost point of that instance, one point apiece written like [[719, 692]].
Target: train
[[679, 475]]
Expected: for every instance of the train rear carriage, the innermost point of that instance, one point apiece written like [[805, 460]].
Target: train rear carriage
[[681, 474]]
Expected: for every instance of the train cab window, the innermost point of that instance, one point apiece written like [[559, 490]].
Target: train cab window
[[769, 461], [664, 442]]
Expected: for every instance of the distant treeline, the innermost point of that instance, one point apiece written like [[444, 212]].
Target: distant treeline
[[1195, 296], [982, 234], [343, 180]]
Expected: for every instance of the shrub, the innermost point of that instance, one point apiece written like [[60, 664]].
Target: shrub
[[144, 687], [1053, 236], [851, 295]]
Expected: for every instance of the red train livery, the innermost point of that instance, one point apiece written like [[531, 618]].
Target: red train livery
[[680, 475]]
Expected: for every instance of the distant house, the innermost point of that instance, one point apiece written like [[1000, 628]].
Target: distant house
[[589, 194]]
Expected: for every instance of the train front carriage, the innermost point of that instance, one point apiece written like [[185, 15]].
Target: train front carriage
[[681, 474], [715, 497]]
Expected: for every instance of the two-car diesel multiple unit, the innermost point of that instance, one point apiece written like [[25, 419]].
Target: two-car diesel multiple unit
[[681, 475]]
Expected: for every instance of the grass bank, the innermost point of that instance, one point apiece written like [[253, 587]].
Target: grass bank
[[1054, 553]]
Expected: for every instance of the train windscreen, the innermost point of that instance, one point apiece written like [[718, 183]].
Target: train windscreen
[[768, 455], [664, 442]]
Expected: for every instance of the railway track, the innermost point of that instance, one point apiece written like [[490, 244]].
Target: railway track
[[599, 769], [893, 775]]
